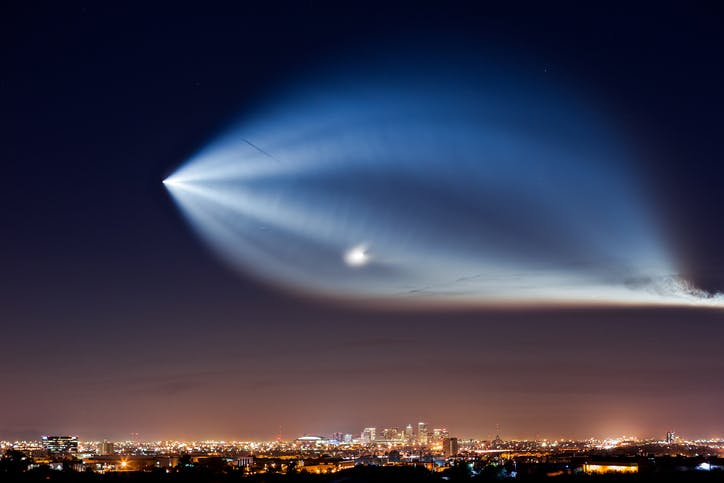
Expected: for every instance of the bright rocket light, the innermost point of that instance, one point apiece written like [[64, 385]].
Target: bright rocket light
[[471, 190], [356, 256]]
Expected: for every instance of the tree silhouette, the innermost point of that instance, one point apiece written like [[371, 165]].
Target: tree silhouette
[[14, 461]]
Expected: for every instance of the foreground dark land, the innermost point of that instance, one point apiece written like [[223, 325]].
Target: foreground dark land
[[353, 475]]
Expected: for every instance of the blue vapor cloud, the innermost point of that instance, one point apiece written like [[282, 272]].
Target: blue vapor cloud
[[432, 185]]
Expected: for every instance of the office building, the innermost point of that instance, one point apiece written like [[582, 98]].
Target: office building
[[409, 434], [60, 444], [369, 435], [105, 448], [450, 447], [422, 433]]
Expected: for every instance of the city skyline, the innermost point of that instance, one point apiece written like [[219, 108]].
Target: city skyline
[[433, 452], [368, 436], [220, 221], [404, 433]]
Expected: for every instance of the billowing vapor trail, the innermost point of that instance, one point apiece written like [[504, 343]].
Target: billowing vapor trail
[[434, 189]]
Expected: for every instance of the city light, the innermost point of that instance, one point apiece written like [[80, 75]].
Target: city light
[[413, 447]]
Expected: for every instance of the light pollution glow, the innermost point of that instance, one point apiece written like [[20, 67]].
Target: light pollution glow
[[454, 189]]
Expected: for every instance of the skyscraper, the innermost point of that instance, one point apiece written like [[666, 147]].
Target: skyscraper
[[422, 433], [450, 447], [105, 448], [409, 434], [391, 434], [438, 434], [368, 435]]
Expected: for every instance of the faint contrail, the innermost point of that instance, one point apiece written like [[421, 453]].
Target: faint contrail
[[260, 150]]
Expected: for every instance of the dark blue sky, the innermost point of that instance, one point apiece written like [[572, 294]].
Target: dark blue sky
[[115, 318]]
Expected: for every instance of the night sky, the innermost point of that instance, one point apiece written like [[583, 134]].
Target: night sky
[[118, 316]]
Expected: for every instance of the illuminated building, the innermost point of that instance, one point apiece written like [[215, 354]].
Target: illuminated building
[[318, 468], [60, 444], [409, 434], [422, 433], [438, 434], [450, 447], [391, 434], [616, 467], [105, 448], [670, 437], [310, 440], [369, 435]]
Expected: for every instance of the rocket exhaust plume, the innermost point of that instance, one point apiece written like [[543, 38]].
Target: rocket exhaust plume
[[457, 189]]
